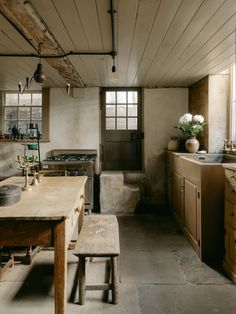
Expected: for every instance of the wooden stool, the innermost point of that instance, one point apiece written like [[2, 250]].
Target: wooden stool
[[99, 237]]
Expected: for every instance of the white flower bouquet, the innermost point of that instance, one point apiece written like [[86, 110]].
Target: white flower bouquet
[[190, 125]]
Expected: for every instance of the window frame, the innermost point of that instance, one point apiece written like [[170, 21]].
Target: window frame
[[116, 104], [45, 92], [232, 112]]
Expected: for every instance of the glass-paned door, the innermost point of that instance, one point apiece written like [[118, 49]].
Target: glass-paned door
[[122, 129]]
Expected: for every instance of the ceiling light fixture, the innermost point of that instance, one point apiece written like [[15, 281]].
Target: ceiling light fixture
[[114, 51], [68, 89], [39, 76]]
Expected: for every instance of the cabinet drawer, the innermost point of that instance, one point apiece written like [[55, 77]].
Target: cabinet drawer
[[230, 214], [230, 176], [230, 191]]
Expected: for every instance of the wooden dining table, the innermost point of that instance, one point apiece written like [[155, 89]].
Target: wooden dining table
[[46, 216]]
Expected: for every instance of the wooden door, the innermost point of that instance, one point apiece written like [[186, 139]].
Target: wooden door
[[121, 129]]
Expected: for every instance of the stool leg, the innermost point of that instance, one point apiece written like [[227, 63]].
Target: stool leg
[[82, 278], [115, 281]]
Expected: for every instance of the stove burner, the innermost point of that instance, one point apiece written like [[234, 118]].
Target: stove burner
[[72, 157]]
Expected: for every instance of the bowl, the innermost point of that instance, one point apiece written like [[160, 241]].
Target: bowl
[[32, 146]]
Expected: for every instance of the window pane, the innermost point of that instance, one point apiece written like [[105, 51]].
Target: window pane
[[110, 124], [22, 126], [9, 125], [36, 99], [24, 113], [11, 100], [39, 125], [110, 110], [25, 100], [132, 97], [36, 113], [121, 97], [121, 110], [132, 110], [110, 97], [11, 113], [121, 123], [132, 124]]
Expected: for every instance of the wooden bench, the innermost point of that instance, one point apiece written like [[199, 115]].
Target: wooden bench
[[99, 237]]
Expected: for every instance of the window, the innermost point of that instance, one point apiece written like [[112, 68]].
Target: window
[[121, 110], [233, 104], [18, 110]]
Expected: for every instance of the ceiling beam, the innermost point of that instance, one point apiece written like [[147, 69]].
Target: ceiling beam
[[25, 19]]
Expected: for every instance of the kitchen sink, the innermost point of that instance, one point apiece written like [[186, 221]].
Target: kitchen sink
[[213, 158]]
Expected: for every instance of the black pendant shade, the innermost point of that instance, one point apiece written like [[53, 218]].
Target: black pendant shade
[[39, 76]]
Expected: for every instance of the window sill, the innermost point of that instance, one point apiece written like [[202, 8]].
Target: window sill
[[23, 141]]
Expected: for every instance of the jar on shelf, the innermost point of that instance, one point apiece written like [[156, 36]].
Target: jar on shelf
[[173, 144]]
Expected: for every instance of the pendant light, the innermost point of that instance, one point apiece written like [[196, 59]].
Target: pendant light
[[39, 75]]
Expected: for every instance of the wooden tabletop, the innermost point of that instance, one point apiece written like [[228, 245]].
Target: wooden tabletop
[[53, 199]]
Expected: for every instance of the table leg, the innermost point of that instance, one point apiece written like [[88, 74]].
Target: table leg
[[60, 267]]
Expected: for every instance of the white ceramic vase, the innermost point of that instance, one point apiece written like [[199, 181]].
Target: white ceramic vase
[[192, 145]]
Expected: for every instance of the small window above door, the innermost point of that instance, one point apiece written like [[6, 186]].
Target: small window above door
[[121, 110]]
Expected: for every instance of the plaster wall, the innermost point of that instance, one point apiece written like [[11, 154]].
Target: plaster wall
[[74, 121], [162, 109], [219, 102], [75, 124]]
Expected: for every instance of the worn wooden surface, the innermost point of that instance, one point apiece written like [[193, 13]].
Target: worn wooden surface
[[229, 262], [99, 236], [47, 215], [60, 267], [53, 199]]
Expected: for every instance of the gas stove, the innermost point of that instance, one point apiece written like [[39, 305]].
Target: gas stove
[[77, 162], [73, 157]]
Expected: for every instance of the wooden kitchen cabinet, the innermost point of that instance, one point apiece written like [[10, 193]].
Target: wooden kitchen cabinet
[[178, 197], [190, 222], [229, 262], [196, 199], [175, 187]]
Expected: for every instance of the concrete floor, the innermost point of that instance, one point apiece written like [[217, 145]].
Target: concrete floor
[[160, 274]]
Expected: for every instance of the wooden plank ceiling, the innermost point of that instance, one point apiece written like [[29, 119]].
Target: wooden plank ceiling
[[160, 43]]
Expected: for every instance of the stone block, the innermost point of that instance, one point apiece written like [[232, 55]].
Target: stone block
[[112, 178], [117, 198]]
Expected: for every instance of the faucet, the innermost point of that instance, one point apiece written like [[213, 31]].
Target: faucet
[[229, 147]]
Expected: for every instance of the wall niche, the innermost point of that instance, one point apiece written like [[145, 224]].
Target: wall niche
[[210, 97]]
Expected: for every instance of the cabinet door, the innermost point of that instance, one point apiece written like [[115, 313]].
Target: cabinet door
[[177, 197], [230, 248], [230, 214], [190, 211]]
